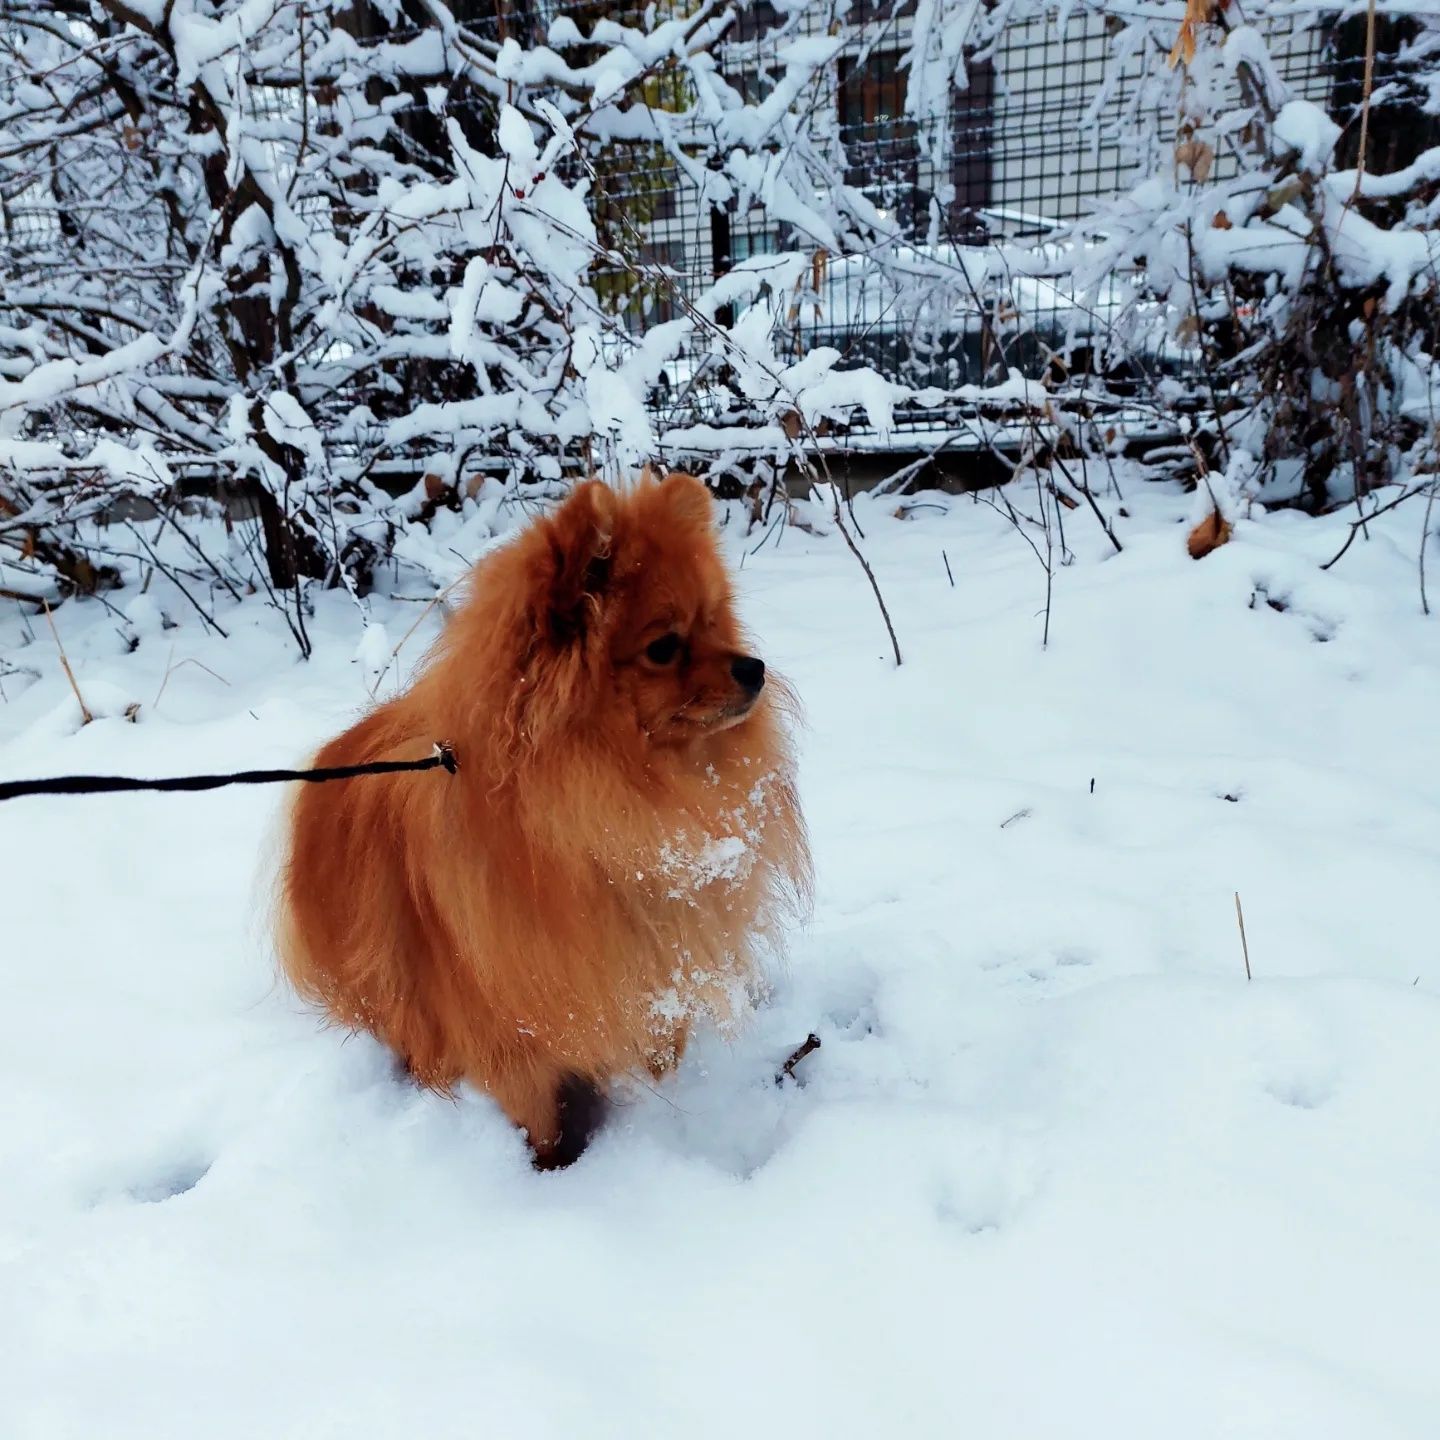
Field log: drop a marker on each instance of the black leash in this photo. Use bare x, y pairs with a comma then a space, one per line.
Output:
443, 759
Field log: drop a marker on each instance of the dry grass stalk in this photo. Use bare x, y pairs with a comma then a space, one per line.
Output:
1244, 944
85, 716
172, 665
400, 643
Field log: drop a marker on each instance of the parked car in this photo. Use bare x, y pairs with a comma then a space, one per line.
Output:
950, 315
941, 316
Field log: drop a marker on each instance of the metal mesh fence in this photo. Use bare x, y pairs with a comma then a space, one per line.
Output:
1045, 126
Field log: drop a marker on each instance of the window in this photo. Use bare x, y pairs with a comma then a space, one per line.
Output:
882, 143
972, 141
757, 19
881, 146
872, 102
757, 242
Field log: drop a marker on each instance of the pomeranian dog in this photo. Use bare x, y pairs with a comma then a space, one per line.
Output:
620, 842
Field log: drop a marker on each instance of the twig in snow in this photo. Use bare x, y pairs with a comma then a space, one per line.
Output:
874, 583
1049, 559
1244, 944
850, 540
1424, 539
777, 523
946, 559
787, 1070
185, 535
169, 573
1084, 489
1015, 517
1357, 525
262, 573
897, 479
6, 669
85, 716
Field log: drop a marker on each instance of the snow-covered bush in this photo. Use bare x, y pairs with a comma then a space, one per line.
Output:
332, 264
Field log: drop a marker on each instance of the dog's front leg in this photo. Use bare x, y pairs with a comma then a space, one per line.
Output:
558, 1110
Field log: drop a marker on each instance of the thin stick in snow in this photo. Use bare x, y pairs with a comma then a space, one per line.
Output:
1084, 488
870, 576
169, 573
85, 716
1366, 90
1244, 944
1425, 540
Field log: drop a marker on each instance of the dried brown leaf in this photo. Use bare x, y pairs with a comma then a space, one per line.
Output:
1210, 534
1197, 13
1196, 156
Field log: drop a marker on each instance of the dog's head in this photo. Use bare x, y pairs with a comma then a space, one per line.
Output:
632, 608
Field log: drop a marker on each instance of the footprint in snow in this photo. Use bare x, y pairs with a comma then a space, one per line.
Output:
1301, 1090
178, 1181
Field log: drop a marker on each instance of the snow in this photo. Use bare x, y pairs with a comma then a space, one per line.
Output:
1057, 1169
1308, 130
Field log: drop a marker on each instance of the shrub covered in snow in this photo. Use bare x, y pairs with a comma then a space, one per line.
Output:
306, 259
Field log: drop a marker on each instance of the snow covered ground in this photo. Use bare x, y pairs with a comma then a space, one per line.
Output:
1057, 1171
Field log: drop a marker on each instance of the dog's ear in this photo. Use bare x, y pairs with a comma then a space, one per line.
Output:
688, 499
582, 537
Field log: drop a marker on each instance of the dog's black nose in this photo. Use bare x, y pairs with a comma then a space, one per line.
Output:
749, 672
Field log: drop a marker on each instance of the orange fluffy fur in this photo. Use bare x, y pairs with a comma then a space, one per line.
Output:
622, 834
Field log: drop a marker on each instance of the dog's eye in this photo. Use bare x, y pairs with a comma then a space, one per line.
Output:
663, 650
